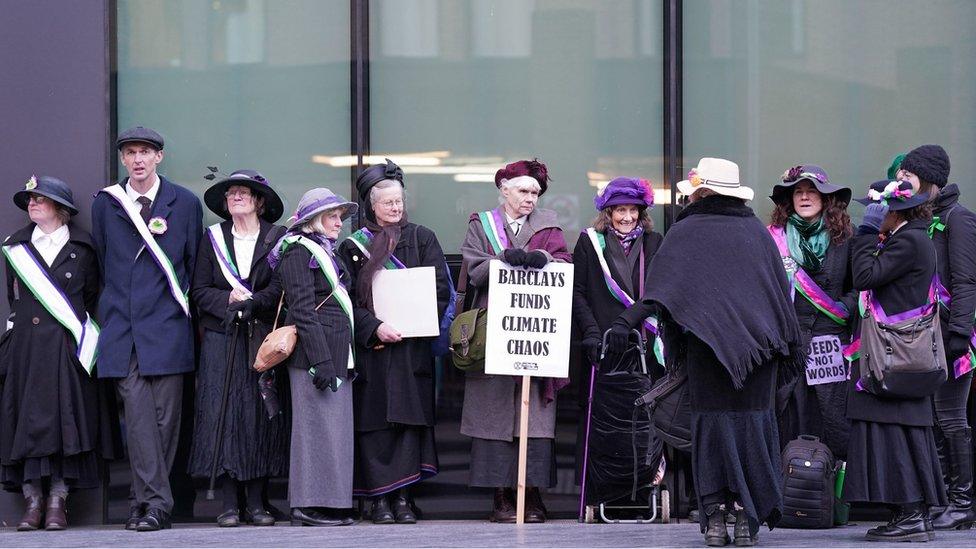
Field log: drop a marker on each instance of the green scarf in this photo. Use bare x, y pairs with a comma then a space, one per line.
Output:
807, 241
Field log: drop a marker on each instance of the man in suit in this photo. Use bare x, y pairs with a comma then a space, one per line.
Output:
146, 230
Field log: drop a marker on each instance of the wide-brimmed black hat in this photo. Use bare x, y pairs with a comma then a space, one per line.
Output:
215, 200
140, 134
46, 186
816, 175
898, 195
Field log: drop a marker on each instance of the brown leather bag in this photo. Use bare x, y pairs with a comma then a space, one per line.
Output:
279, 344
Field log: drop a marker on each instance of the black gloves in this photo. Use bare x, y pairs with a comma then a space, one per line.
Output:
591, 351
323, 380
957, 346
536, 259
617, 339
514, 257
246, 308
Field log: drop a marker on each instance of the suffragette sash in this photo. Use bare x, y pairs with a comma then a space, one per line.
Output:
494, 227
650, 323
803, 283
159, 256
363, 238
52, 298
227, 267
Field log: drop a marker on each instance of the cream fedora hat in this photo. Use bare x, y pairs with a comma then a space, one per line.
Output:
717, 174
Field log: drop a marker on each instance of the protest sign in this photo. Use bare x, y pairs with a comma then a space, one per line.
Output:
825, 363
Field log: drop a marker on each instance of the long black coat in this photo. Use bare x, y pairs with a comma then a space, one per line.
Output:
955, 251
594, 308
900, 276
395, 383
50, 405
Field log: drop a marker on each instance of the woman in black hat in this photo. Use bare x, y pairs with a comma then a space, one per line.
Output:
393, 396
812, 230
234, 295
891, 457
54, 421
953, 231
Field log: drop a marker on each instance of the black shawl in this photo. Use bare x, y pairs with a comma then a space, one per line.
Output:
719, 275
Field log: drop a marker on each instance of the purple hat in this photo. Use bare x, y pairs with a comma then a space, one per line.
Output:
625, 190
815, 175
319, 200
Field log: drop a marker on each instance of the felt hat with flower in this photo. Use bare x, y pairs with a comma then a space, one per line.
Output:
815, 175
622, 191
898, 195
717, 174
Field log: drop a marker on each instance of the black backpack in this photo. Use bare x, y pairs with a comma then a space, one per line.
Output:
669, 408
808, 484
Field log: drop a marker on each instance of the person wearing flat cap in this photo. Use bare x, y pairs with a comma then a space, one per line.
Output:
610, 264
723, 300
233, 294
892, 457
812, 229
393, 395
520, 234
316, 288
146, 230
55, 425
953, 231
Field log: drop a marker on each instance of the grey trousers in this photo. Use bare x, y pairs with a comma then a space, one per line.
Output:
152, 407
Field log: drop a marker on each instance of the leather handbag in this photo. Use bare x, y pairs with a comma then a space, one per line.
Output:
466, 337
278, 345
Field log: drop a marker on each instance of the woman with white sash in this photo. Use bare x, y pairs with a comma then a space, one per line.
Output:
52, 427
320, 369
610, 263
233, 294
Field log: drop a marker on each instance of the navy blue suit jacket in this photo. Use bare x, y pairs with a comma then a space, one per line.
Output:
136, 308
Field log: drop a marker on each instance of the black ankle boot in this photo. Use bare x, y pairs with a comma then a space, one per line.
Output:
741, 533
402, 509
381, 512
716, 533
907, 525
959, 514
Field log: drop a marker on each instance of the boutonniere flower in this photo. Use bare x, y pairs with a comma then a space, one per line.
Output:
157, 225
694, 178
31, 184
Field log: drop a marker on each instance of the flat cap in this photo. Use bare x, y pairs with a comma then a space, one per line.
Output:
142, 135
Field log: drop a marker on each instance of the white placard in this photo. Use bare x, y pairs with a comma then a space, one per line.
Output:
406, 299
825, 363
529, 317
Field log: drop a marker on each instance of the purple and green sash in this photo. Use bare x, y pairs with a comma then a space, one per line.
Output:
52, 298
804, 284
494, 226
650, 323
227, 267
363, 238
967, 362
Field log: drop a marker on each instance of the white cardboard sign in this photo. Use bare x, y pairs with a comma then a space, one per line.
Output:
407, 300
825, 363
529, 317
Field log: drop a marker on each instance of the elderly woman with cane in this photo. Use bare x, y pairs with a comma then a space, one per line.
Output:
233, 436
724, 300
611, 262
321, 366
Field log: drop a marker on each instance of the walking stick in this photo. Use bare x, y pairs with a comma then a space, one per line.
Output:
219, 435
586, 437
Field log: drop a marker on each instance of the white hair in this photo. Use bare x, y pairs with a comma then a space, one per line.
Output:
316, 224
382, 185
522, 182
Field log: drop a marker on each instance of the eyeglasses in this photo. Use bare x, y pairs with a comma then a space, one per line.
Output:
39, 199
243, 193
391, 203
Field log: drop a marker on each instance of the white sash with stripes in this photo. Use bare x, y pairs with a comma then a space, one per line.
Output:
49, 294
227, 267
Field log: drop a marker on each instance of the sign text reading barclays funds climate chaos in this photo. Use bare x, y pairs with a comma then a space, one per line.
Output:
529, 313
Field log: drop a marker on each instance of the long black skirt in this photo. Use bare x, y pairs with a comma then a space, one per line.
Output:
893, 464
392, 458
494, 463
735, 443
253, 446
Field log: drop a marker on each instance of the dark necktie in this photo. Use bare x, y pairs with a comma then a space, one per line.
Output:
146, 206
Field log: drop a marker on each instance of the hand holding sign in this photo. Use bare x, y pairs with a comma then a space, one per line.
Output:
387, 333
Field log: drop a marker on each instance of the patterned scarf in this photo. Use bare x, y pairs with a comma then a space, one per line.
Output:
807, 242
627, 240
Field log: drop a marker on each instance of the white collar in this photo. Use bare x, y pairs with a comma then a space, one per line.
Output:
150, 194
253, 237
521, 220
57, 237
900, 225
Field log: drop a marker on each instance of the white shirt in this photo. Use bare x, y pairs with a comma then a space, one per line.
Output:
244, 250
150, 194
49, 245
515, 224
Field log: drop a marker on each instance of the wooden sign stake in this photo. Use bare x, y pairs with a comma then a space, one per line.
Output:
523, 449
